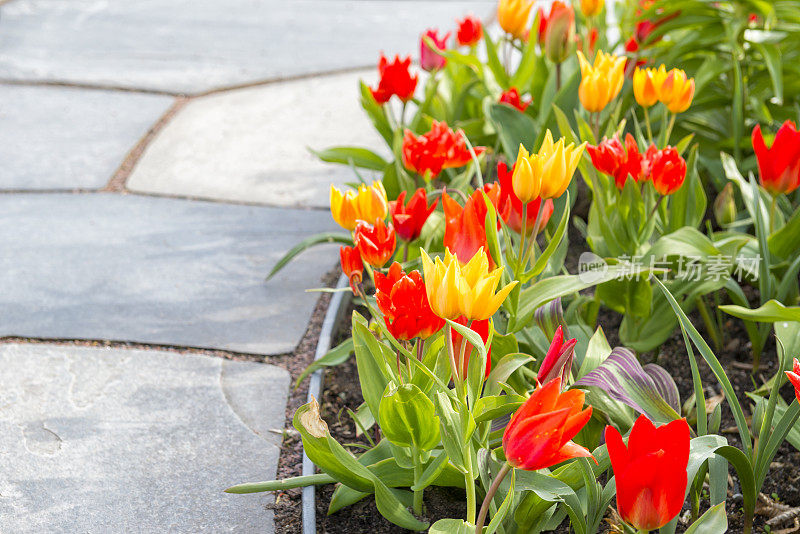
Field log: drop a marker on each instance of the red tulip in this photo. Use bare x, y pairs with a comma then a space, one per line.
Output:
482, 329
651, 472
667, 169
465, 228
409, 219
558, 361
612, 158
540, 431
510, 206
375, 243
395, 80
404, 303
440, 148
469, 31
779, 165
512, 98
794, 378
352, 266
428, 58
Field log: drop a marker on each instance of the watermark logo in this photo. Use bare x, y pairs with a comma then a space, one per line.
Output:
591, 268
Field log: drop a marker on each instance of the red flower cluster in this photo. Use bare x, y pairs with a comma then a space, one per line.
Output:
408, 219
665, 167
612, 158
509, 206
428, 58
440, 148
470, 31
650, 471
465, 228
404, 303
352, 266
512, 98
375, 243
395, 80
779, 165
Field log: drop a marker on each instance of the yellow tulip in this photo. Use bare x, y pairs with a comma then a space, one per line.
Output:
513, 16
590, 8
644, 88
600, 83
368, 204
676, 91
547, 173
470, 290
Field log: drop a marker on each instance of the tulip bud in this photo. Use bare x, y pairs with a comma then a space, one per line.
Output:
560, 32
429, 59
558, 361
352, 266
725, 206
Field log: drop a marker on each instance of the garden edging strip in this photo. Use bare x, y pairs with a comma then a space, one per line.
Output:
338, 303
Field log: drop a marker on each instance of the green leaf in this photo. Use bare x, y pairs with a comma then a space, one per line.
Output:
548, 289
497, 519
513, 128
376, 114
544, 257
279, 485
785, 243
493, 61
714, 521
318, 239
771, 312
336, 356
407, 417
451, 526
716, 368
352, 155
494, 406
371, 361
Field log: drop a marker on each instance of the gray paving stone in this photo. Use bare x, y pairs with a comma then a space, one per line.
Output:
193, 46
115, 440
68, 138
252, 144
157, 270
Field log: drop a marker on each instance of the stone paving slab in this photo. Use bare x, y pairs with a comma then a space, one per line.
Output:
196, 45
117, 440
252, 144
68, 138
157, 270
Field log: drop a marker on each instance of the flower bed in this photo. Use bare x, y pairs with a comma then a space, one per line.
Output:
526, 368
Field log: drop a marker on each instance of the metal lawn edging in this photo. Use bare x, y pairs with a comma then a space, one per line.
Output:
337, 305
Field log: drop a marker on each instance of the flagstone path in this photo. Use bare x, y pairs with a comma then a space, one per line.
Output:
155, 167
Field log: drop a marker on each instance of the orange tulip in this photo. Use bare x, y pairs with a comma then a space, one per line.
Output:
539, 433
366, 204
352, 266
465, 228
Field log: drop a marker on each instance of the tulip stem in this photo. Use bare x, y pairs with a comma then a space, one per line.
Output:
596, 126
772, 214
558, 76
451, 353
418, 493
668, 132
490, 495
649, 128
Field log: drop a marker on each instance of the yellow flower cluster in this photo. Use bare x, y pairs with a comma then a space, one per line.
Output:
547, 173
368, 204
469, 290
673, 89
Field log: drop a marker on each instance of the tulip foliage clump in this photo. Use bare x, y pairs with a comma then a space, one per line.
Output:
477, 337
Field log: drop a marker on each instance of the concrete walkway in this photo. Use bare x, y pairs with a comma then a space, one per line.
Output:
155, 167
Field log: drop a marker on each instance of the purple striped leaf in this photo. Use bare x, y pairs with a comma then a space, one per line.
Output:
649, 390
